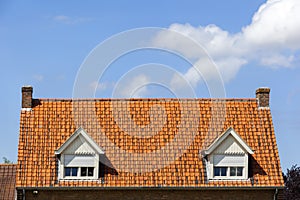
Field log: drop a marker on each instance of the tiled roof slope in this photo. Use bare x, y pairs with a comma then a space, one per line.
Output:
51, 122
7, 181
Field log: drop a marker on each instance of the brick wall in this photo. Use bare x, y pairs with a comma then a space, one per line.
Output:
263, 96
151, 194
27, 97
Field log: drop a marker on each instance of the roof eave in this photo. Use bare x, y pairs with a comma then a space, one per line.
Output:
158, 188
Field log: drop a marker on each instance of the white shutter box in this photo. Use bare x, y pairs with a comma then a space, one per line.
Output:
79, 161
229, 160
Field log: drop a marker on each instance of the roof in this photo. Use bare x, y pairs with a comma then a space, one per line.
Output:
222, 137
7, 181
150, 142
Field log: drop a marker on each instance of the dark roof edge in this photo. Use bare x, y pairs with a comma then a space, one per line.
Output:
146, 99
156, 188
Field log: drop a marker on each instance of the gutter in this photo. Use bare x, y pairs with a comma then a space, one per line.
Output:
275, 194
23, 194
154, 188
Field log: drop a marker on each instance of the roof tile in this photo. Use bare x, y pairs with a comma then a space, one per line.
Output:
7, 181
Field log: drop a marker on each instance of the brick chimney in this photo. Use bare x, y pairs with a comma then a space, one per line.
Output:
263, 97
27, 96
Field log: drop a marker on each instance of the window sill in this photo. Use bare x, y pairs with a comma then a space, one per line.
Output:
79, 179
229, 179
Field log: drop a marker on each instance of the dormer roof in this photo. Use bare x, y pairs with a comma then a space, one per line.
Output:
230, 147
79, 143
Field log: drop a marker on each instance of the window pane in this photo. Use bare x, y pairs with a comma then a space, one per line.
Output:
74, 171
216, 171
239, 171
220, 171
91, 171
223, 171
232, 171
71, 171
67, 171
83, 171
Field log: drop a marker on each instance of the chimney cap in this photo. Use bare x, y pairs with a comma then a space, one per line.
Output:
263, 90
26, 87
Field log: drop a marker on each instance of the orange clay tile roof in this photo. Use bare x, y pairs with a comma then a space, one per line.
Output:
7, 181
51, 122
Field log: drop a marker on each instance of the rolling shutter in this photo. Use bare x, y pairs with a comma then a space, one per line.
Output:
229, 160
79, 161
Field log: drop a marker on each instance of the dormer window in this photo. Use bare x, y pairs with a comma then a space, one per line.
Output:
236, 171
220, 171
81, 166
79, 171
79, 157
87, 171
227, 157
71, 171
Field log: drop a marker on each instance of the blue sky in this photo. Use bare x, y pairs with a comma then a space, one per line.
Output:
253, 43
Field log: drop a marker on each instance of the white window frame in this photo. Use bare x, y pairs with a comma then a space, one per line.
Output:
211, 164
71, 171
61, 172
78, 175
228, 176
236, 171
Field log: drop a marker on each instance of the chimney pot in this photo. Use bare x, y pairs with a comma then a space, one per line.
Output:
27, 96
263, 97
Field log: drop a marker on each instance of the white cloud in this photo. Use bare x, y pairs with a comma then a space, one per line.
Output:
228, 67
132, 87
273, 32
70, 20
100, 86
61, 18
275, 25
60, 77
277, 60
38, 77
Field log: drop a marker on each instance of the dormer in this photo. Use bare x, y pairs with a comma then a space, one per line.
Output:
78, 157
227, 157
